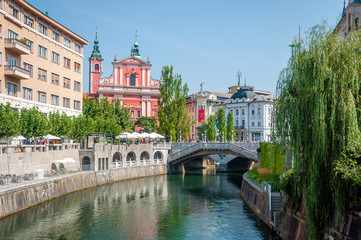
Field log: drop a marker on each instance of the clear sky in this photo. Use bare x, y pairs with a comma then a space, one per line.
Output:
206, 40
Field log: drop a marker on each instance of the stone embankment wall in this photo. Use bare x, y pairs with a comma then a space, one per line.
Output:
254, 197
20, 198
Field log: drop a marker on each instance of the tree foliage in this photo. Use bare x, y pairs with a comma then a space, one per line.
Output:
221, 120
230, 127
33, 123
148, 124
318, 113
211, 131
82, 126
9, 121
172, 114
202, 130
60, 124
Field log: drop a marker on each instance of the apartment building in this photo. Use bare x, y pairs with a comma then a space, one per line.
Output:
41, 61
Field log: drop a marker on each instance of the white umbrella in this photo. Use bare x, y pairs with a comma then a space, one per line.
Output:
156, 135
51, 137
146, 135
59, 161
19, 138
134, 135
68, 160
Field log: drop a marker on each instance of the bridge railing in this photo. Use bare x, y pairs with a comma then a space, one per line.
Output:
162, 145
213, 146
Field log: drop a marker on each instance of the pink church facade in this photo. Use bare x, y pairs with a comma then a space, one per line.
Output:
131, 82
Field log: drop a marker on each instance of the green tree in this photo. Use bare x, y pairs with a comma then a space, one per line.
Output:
33, 123
82, 126
230, 127
9, 122
172, 114
202, 130
60, 124
148, 124
317, 114
221, 119
211, 133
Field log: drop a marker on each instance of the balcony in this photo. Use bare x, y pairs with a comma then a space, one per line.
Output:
239, 127
16, 72
17, 46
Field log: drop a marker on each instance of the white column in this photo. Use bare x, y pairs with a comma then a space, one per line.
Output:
143, 108
143, 76
115, 75
121, 76
148, 108
148, 77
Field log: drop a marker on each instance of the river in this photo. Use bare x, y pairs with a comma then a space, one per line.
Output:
191, 206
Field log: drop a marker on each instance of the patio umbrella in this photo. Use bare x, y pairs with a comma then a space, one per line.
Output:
156, 135
19, 138
68, 160
134, 135
59, 161
123, 136
51, 137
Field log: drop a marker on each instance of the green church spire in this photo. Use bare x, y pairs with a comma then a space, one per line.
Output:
96, 53
135, 49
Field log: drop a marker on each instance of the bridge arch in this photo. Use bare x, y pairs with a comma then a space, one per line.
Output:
85, 163
131, 159
144, 158
158, 157
117, 159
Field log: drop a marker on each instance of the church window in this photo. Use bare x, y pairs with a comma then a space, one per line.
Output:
96, 66
132, 80
138, 114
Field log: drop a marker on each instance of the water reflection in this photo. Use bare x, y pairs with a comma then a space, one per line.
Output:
195, 205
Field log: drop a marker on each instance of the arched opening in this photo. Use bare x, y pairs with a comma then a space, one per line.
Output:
53, 166
96, 67
132, 80
158, 157
131, 158
85, 163
62, 168
117, 160
144, 158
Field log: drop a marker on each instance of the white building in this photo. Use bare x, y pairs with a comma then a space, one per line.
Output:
350, 19
252, 113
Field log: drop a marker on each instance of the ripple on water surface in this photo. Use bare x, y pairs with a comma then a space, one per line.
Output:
164, 207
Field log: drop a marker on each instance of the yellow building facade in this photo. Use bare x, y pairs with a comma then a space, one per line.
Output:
41, 61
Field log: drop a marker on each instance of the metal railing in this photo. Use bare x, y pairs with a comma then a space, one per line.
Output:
237, 148
17, 41
17, 68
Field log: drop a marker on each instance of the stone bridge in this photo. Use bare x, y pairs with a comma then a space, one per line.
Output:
181, 156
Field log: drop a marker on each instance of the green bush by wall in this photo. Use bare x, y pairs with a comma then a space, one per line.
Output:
273, 157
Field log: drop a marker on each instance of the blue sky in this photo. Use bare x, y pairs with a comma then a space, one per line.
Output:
206, 40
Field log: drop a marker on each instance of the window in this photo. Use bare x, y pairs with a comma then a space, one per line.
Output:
28, 67
54, 100
76, 105
55, 57
30, 44
1, 58
242, 111
43, 29
77, 48
66, 82
66, 102
41, 97
252, 124
42, 74
270, 110
27, 93
1, 30
12, 61
14, 11
77, 86
77, 67
43, 52
259, 124
66, 62
12, 89
138, 114
55, 36
259, 110
132, 80
28, 20
96, 67
237, 112
54, 78
12, 34
67, 42
243, 122
252, 111
237, 122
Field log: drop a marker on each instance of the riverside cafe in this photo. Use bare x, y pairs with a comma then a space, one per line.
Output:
109, 138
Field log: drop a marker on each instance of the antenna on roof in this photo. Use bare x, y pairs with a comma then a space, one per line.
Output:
239, 76
245, 81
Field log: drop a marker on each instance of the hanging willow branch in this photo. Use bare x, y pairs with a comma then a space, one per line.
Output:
317, 113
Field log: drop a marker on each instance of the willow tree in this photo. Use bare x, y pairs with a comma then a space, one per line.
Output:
172, 113
317, 113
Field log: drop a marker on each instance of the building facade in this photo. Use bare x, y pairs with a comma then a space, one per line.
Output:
131, 82
41, 61
252, 113
350, 19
